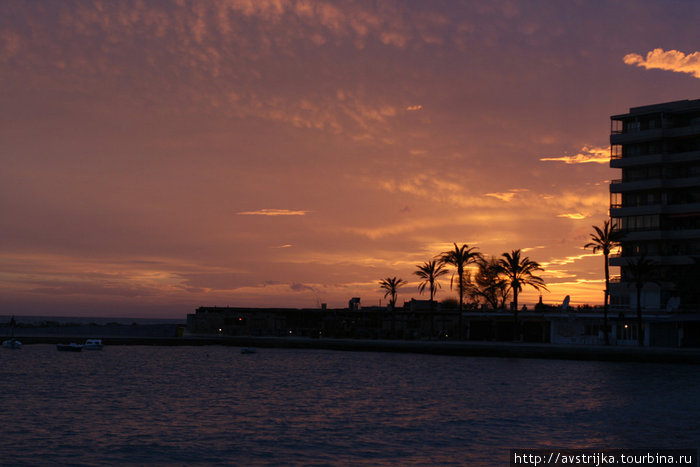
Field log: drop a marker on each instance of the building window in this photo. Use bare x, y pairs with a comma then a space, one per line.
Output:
616, 127
616, 151
615, 200
626, 332
650, 222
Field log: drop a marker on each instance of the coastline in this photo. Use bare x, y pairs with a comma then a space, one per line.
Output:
452, 348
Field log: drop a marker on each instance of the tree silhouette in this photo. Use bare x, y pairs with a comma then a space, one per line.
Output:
459, 258
489, 284
605, 240
641, 271
391, 285
519, 272
430, 271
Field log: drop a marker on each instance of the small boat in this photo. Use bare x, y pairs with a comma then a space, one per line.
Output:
12, 343
93, 344
72, 347
245, 350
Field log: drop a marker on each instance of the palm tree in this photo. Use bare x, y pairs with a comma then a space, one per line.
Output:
391, 285
605, 240
640, 271
430, 271
519, 272
460, 258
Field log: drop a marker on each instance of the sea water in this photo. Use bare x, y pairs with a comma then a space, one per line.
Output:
149, 405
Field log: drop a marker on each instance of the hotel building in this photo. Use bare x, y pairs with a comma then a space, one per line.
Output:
656, 203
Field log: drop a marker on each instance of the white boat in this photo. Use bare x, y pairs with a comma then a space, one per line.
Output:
93, 344
12, 343
72, 347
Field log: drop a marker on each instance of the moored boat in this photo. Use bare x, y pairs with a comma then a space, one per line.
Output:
93, 344
72, 347
248, 350
12, 343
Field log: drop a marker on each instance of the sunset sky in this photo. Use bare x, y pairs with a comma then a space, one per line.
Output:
158, 156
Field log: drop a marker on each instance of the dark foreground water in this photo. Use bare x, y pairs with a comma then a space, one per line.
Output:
214, 406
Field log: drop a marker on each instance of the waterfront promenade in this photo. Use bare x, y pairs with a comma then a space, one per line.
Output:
455, 348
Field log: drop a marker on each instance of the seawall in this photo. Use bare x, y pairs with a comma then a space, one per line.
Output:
470, 349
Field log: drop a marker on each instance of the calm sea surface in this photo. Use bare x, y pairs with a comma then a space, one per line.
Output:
214, 406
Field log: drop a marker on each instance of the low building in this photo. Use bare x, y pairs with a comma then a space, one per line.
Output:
545, 325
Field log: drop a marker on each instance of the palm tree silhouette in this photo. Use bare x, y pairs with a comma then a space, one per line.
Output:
460, 258
391, 285
605, 240
518, 272
641, 271
430, 271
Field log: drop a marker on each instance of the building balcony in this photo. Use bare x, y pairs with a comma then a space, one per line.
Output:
651, 134
635, 161
637, 136
685, 182
623, 211
658, 234
649, 209
621, 186
620, 162
682, 132
675, 260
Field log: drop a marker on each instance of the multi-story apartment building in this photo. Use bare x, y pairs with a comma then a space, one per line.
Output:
656, 203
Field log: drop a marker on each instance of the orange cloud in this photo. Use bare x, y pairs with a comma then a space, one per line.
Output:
414, 107
272, 212
507, 197
566, 260
600, 155
575, 215
672, 60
